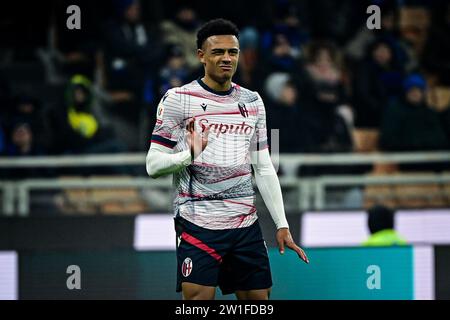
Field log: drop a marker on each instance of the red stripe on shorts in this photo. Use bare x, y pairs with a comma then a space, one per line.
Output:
199, 244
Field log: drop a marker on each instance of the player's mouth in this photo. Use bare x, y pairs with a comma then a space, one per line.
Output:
226, 67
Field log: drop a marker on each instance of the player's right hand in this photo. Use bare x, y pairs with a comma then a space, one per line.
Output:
196, 141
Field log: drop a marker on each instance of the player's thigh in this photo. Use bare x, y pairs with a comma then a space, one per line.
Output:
198, 261
193, 291
247, 266
258, 294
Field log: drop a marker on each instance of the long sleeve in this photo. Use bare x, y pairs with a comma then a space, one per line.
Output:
161, 158
269, 186
161, 161
265, 175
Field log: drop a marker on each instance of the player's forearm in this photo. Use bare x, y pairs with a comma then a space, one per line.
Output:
160, 162
269, 187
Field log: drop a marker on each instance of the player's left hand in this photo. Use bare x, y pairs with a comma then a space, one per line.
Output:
284, 238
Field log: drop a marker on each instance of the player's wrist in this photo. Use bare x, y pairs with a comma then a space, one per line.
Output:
282, 224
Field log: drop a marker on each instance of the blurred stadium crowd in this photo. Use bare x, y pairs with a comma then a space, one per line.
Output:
329, 83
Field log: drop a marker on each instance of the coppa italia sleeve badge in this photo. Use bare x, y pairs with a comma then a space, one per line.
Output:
160, 111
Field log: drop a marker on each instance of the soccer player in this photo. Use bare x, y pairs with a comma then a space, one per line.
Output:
209, 134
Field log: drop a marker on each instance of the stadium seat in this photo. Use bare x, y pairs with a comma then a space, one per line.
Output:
424, 195
365, 140
118, 200
447, 194
379, 195
101, 200
446, 190
75, 201
384, 168
420, 196
115, 208
438, 98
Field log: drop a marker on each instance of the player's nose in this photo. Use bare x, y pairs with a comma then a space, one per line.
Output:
226, 58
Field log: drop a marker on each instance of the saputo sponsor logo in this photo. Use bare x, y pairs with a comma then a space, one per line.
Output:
229, 128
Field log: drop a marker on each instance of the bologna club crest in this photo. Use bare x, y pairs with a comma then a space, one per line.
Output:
186, 267
243, 109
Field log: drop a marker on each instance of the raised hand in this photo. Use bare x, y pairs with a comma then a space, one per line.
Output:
196, 141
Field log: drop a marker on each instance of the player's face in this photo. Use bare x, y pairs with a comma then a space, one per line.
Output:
220, 56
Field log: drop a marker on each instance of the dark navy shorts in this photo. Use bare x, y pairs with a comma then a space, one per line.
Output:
233, 259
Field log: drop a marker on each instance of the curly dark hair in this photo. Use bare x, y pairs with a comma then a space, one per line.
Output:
216, 27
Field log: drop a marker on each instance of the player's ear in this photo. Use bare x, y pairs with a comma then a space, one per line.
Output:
201, 55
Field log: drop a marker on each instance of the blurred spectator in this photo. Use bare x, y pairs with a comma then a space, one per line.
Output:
282, 42
282, 111
132, 54
174, 73
247, 73
288, 25
282, 57
75, 126
414, 30
182, 32
357, 48
409, 124
382, 228
78, 47
376, 80
337, 20
30, 109
21, 142
324, 128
